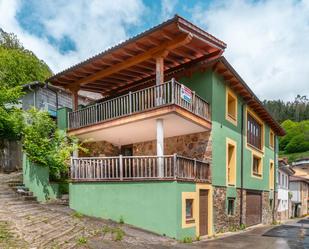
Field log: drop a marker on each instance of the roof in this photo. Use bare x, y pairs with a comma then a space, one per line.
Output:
188, 46
134, 58
56, 88
299, 179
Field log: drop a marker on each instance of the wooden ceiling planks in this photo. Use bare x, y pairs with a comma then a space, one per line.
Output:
116, 63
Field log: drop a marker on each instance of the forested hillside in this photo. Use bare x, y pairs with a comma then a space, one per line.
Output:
294, 118
296, 110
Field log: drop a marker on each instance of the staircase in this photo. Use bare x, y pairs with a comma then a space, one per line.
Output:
41, 225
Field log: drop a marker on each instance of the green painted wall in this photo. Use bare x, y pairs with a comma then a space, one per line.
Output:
154, 206
212, 88
36, 178
62, 118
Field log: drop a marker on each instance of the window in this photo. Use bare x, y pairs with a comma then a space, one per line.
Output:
230, 206
254, 132
270, 203
271, 139
279, 178
271, 176
231, 107
231, 162
257, 166
189, 210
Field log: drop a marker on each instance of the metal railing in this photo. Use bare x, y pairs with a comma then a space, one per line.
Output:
122, 168
149, 98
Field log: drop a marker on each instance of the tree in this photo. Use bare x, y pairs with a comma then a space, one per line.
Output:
296, 110
18, 66
46, 145
296, 138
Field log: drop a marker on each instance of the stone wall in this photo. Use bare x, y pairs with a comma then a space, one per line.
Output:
267, 209
196, 145
99, 148
222, 221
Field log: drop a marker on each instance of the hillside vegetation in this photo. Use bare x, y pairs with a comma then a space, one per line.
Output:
294, 118
18, 66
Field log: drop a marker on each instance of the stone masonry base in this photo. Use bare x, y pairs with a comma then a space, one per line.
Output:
224, 222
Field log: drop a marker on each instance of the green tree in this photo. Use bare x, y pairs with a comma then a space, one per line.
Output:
46, 145
296, 138
18, 66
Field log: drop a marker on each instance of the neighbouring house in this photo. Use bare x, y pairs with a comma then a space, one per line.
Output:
284, 206
44, 97
54, 100
49, 98
299, 186
179, 145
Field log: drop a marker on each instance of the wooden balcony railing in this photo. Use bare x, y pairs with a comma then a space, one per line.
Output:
133, 168
149, 98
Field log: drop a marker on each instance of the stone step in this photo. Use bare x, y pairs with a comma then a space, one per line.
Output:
15, 184
29, 198
19, 202
48, 218
67, 239
51, 232
16, 188
54, 237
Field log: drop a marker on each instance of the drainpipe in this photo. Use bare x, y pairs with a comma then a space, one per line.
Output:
275, 179
242, 163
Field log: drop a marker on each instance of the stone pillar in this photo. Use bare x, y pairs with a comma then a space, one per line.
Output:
160, 146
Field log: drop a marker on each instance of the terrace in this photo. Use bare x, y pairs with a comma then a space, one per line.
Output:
142, 102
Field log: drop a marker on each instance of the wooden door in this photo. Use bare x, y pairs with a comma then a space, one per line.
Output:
203, 212
253, 208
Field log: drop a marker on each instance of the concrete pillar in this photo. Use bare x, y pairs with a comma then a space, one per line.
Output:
160, 146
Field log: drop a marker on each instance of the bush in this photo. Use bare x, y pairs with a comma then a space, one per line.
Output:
46, 145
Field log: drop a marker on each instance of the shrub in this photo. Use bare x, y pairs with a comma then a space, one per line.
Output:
187, 240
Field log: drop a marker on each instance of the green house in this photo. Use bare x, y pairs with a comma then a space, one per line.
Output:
178, 145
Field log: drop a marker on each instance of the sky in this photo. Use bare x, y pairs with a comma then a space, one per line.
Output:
267, 41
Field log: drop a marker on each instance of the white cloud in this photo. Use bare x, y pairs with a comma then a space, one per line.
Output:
168, 9
92, 25
267, 43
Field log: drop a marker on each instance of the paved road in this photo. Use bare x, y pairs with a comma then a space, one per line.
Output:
293, 235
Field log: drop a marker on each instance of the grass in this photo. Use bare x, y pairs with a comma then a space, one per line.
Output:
187, 240
77, 215
7, 239
82, 241
116, 232
294, 156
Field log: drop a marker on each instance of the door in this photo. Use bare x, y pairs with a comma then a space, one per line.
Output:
203, 212
253, 208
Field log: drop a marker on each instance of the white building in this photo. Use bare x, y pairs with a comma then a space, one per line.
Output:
284, 197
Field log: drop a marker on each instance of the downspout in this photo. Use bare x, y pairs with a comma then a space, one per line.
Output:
275, 179
242, 163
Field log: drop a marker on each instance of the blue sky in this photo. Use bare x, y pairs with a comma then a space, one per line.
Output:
267, 39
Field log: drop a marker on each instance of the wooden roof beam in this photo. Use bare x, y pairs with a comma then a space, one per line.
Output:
180, 40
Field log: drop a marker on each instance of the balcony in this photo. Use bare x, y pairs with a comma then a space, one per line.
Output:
139, 168
170, 93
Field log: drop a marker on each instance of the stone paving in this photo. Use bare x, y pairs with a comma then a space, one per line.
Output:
56, 226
